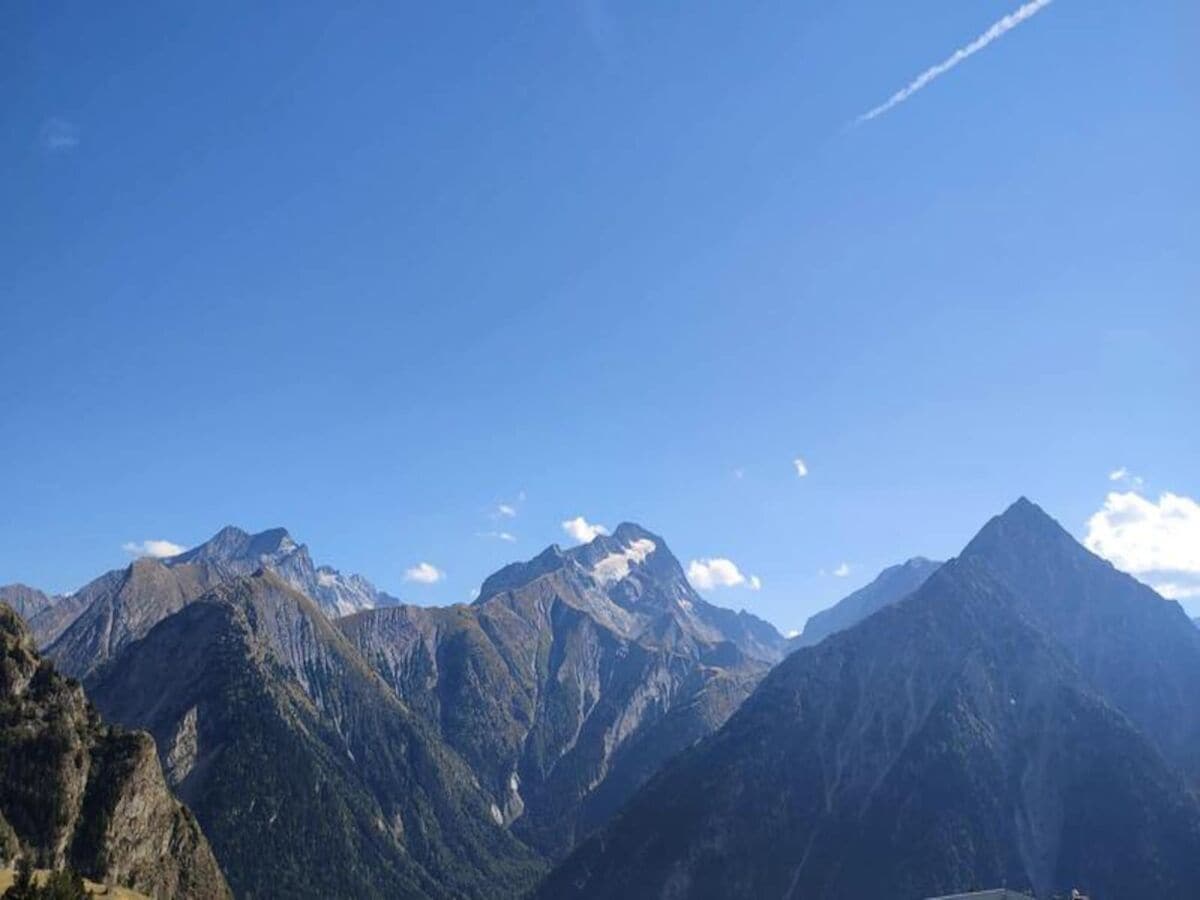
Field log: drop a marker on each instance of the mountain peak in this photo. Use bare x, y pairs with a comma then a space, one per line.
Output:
1023, 525
631, 531
235, 544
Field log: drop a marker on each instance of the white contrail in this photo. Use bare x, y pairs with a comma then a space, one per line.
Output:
999, 29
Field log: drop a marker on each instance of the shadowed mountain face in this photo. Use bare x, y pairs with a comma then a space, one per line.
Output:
572, 678
123, 605
76, 792
891, 586
977, 732
308, 774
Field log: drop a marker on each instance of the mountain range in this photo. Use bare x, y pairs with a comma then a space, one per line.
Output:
1025, 717
590, 726
405, 750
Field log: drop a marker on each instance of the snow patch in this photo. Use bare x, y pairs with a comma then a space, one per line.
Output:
616, 566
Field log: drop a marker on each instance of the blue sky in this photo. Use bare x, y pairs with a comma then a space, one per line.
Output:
371, 272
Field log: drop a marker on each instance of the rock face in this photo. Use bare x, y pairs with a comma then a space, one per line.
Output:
235, 552
1021, 718
572, 678
76, 792
891, 586
308, 774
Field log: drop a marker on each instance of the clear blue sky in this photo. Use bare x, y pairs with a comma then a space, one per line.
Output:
369, 272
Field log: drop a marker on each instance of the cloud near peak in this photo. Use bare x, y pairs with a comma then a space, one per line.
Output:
156, 549
424, 573
1158, 541
582, 531
718, 572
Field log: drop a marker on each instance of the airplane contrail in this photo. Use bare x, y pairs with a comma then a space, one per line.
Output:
998, 30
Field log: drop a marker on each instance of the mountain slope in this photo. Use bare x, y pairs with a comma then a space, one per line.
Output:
123, 605
309, 776
572, 678
946, 742
892, 585
76, 792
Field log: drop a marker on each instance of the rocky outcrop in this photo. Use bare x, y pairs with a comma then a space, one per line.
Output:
76, 792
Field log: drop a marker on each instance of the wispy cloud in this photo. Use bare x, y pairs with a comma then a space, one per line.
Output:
842, 570
424, 573
583, 531
995, 32
507, 536
58, 135
158, 549
801, 467
1124, 476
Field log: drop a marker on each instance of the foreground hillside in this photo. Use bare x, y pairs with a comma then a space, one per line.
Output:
77, 793
1025, 717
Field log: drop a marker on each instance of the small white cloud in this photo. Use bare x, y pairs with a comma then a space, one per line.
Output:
156, 549
424, 573
499, 535
801, 467
794, 633
58, 135
474, 593
1124, 476
582, 531
718, 572
1158, 542
506, 511
842, 570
